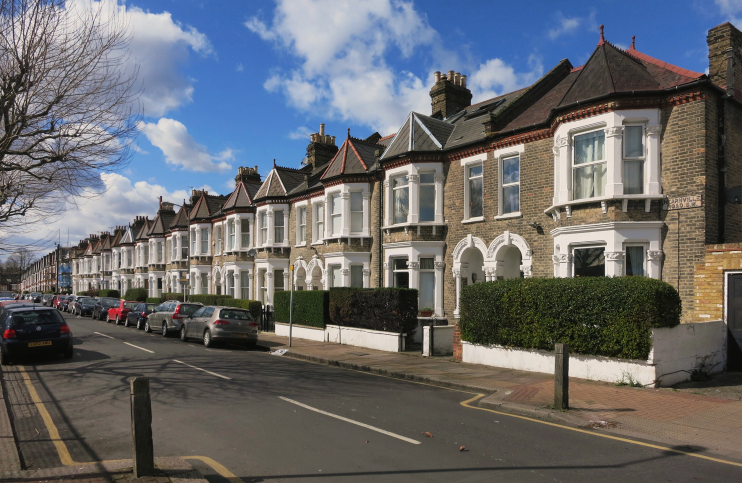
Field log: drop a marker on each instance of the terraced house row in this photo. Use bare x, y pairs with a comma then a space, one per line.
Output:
624, 166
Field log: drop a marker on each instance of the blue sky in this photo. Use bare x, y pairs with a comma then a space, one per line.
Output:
239, 83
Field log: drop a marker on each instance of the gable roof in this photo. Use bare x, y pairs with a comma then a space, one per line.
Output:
240, 198
181, 218
419, 133
280, 182
355, 156
161, 223
144, 231
128, 236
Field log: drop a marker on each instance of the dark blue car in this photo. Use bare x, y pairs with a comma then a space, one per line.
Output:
84, 306
29, 331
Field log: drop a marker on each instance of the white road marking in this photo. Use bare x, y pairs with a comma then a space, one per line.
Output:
104, 335
373, 428
141, 348
204, 370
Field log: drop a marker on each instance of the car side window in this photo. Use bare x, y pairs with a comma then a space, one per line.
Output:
208, 312
199, 312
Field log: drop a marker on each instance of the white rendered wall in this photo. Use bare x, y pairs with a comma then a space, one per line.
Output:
442, 340
300, 332
678, 351
370, 339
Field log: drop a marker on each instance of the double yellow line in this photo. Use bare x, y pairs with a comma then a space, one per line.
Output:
64, 454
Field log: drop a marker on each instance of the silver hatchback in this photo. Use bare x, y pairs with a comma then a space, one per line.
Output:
214, 324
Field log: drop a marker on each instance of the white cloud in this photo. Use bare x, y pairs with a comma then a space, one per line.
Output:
342, 48
180, 149
159, 46
731, 10
239, 67
570, 25
301, 132
495, 77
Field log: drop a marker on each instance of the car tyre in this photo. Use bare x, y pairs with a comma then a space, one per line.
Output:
208, 341
68, 353
118, 321
183, 334
126, 322
139, 323
165, 332
147, 328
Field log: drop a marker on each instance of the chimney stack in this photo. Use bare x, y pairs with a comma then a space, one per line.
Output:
725, 57
321, 148
449, 94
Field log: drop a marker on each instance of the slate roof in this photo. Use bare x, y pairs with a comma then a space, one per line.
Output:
161, 223
181, 218
143, 232
419, 133
240, 198
280, 182
128, 236
355, 156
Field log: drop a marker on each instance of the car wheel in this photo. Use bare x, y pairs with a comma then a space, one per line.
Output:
126, 322
207, 339
147, 328
139, 323
118, 322
164, 330
183, 334
67, 354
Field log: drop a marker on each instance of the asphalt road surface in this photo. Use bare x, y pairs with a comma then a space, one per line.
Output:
269, 418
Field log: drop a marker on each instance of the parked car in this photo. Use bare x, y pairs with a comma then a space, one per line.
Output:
10, 304
69, 304
46, 299
138, 316
33, 330
168, 316
100, 309
84, 306
120, 312
36, 297
59, 301
213, 324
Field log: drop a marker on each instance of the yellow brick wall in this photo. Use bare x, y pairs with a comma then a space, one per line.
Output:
708, 283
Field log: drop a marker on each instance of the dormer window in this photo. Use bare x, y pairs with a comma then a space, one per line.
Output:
590, 166
633, 164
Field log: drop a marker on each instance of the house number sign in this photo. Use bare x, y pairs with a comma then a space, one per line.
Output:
685, 202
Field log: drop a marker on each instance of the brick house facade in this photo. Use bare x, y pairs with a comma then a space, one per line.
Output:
626, 165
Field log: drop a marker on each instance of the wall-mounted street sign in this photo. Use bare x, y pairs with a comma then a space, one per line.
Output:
685, 202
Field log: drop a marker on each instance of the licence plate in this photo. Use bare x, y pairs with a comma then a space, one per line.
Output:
240, 335
40, 343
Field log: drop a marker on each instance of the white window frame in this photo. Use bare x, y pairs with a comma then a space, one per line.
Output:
604, 246
500, 156
218, 237
204, 240
298, 207
318, 232
575, 167
641, 158
400, 188
282, 227
466, 164
330, 278
645, 247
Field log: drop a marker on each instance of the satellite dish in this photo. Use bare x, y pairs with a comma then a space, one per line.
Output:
305, 161
251, 253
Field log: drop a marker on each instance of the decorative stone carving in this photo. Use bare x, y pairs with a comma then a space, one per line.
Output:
345, 196
345, 271
615, 256
413, 178
527, 270
654, 130
366, 272
654, 255
440, 265
386, 183
613, 131
387, 265
456, 272
269, 274
413, 265
555, 258
440, 177
366, 195
565, 257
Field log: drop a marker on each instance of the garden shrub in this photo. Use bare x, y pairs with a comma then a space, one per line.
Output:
254, 306
110, 293
136, 294
387, 309
311, 307
599, 316
153, 300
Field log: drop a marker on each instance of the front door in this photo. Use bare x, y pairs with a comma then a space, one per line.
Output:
734, 322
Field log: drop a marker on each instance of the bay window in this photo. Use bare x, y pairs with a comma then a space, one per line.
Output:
245, 284
510, 190
263, 221
356, 276
204, 283
174, 242
635, 261
278, 280
589, 262
400, 199
193, 241
475, 204
301, 225
356, 211
245, 233
335, 272
336, 213
400, 273
427, 197
590, 166
159, 252
230, 235
184, 247
218, 235
278, 219
633, 154
426, 286
262, 286
319, 222
204, 240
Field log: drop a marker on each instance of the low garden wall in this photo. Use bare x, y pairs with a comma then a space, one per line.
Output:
438, 340
301, 332
367, 338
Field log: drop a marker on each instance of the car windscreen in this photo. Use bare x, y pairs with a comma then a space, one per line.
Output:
188, 309
35, 317
150, 307
130, 305
109, 303
85, 301
235, 314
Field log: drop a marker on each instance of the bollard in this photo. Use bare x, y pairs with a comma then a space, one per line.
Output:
141, 428
561, 376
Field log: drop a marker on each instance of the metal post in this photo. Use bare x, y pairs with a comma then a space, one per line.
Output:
291, 302
561, 376
141, 427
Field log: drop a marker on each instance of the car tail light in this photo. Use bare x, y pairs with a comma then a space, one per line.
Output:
144, 314
253, 324
65, 329
9, 334
221, 322
177, 316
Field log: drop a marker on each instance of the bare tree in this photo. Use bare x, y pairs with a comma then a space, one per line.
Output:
68, 108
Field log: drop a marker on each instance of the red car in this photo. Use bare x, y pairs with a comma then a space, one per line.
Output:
119, 313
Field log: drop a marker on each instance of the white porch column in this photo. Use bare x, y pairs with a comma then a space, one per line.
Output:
457, 277
270, 287
271, 226
367, 213
564, 144
414, 271
345, 217
210, 288
251, 222
366, 278
652, 161
440, 266
387, 274
326, 214
388, 203
654, 264
440, 178
614, 263
287, 280
346, 275
614, 144
237, 285
414, 199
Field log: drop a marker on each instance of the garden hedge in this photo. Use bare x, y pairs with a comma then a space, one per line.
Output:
153, 300
136, 295
110, 293
172, 296
387, 309
599, 316
208, 299
254, 306
311, 307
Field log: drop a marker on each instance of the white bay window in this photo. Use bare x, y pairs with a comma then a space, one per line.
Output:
414, 195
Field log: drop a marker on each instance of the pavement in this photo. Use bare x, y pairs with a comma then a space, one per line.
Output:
692, 415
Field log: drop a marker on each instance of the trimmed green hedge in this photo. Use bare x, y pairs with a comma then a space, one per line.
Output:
110, 293
311, 307
387, 309
208, 299
172, 296
599, 316
254, 306
153, 300
136, 295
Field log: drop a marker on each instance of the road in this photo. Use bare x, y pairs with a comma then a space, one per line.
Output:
278, 419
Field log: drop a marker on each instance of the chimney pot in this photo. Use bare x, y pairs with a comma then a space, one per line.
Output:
322, 129
437, 76
457, 78
450, 75
463, 81
332, 140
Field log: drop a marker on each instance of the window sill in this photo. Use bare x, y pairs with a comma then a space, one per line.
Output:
473, 220
299, 245
421, 223
516, 214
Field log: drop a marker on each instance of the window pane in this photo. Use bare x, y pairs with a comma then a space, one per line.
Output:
427, 202
511, 199
335, 206
427, 290
356, 222
302, 233
589, 147
399, 181
427, 178
511, 170
635, 261
278, 217
427, 263
475, 171
590, 181
400, 264
401, 279
335, 276
401, 204
278, 279
589, 262
634, 141
633, 177
335, 224
475, 197
356, 201
356, 276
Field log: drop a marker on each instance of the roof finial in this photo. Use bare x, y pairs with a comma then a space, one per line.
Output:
160, 202
633, 42
348, 133
274, 163
602, 38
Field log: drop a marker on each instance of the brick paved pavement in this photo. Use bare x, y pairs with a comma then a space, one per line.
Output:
668, 416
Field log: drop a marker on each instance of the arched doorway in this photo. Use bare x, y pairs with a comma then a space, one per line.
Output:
315, 275
508, 256
468, 265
